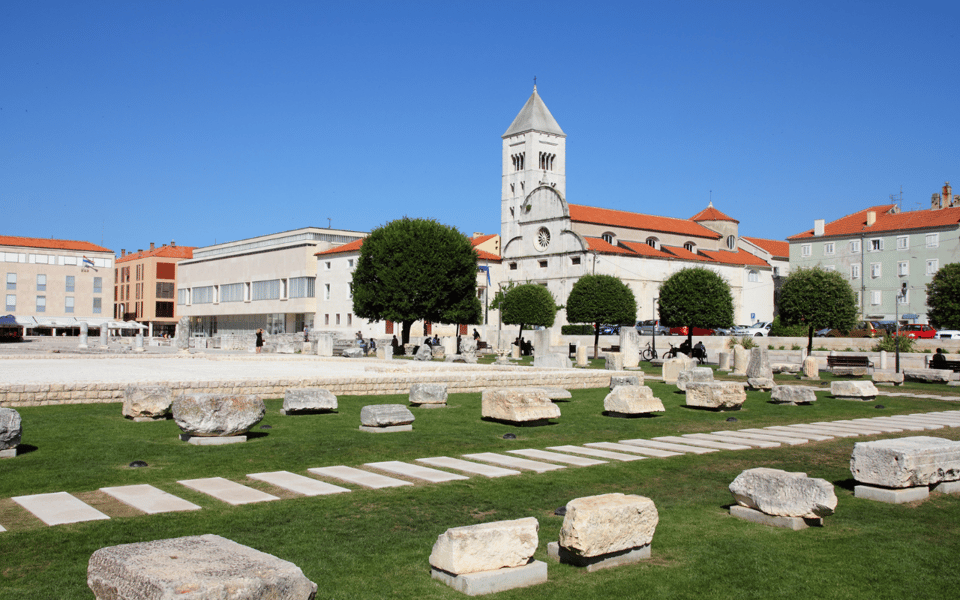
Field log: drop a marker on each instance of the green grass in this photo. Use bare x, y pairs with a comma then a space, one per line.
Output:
376, 543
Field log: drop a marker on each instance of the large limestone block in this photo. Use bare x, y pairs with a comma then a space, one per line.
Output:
887, 377
860, 390
428, 393
11, 428
353, 353
486, 547
518, 405
632, 400
181, 334
760, 383
194, 568
726, 360
928, 375
906, 462
698, 374
793, 394
759, 365
582, 360
740, 359
613, 361
783, 494
552, 360
147, 401
811, 368
325, 343
424, 352
217, 415
598, 525
672, 367
308, 400
630, 346
468, 350
716, 394
616, 380
385, 415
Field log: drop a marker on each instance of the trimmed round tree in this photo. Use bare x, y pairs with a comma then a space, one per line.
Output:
416, 269
528, 304
696, 297
816, 298
943, 297
601, 299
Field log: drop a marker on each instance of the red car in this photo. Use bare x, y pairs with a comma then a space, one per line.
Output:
697, 332
918, 331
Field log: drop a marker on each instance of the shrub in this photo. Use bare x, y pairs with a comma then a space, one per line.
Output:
889, 343
795, 347
778, 329
577, 330
745, 341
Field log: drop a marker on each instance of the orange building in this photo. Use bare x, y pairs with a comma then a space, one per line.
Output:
146, 287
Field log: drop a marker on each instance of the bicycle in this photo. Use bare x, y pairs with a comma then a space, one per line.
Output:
648, 353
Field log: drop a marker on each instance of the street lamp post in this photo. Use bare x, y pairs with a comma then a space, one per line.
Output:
896, 312
654, 344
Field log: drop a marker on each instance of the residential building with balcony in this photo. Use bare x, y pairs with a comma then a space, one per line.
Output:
146, 287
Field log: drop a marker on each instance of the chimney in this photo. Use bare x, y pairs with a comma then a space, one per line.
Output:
173, 243
871, 217
935, 203
122, 253
151, 245
818, 227
477, 234
139, 250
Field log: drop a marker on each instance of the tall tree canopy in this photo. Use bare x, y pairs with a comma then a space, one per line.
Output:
943, 297
600, 299
416, 269
528, 304
816, 298
696, 297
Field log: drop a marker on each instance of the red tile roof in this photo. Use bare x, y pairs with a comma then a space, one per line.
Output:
631, 220
644, 249
180, 252
603, 246
476, 241
681, 252
10, 240
712, 214
776, 248
353, 246
740, 257
887, 221
484, 255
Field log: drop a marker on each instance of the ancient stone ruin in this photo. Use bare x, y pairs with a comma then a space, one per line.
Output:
147, 402
428, 395
782, 499
631, 400
309, 400
213, 419
11, 431
386, 418
903, 469
518, 405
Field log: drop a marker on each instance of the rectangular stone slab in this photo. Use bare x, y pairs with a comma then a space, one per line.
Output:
906, 462
228, 491
467, 466
513, 461
806, 437
876, 426
816, 429
631, 449
598, 453
914, 425
299, 484
755, 516
732, 440
901, 496
767, 437
498, 580
58, 508
415, 471
865, 430
577, 461
946, 420
668, 446
149, 499
596, 563
358, 477
902, 424
702, 442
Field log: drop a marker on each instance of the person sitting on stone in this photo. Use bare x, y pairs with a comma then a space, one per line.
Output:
938, 359
372, 347
436, 340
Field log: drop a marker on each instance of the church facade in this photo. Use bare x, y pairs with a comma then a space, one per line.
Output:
548, 241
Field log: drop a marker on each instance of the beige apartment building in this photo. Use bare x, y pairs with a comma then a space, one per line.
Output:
146, 286
53, 285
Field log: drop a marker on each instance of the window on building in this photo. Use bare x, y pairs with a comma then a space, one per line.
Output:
876, 297
182, 296
165, 289
933, 266
608, 237
349, 319
575, 260
776, 271
41, 283
830, 268
855, 247
71, 282
231, 292
653, 242
164, 310
753, 275
903, 297
303, 287
326, 319
326, 265
731, 242
97, 306
689, 246
326, 291
806, 250
933, 240
338, 318
98, 286
41, 304
513, 266
856, 294
875, 270
203, 295
350, 263
903, 268
854, 271
350, 290
11, 281
876, 245
166, 270
68, 305
903, 242
828, 248
11, 303
264, 290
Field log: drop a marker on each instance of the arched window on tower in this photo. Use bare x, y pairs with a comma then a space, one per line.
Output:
653, 243
689, 247
609, 238
732, 242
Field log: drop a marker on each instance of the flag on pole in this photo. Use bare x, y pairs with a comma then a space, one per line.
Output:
87, 263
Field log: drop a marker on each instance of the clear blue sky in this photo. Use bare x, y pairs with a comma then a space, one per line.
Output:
127, 122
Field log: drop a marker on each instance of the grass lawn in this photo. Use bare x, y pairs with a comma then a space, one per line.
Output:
376, 543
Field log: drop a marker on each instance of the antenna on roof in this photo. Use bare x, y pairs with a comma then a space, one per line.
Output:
328, 222
898, 199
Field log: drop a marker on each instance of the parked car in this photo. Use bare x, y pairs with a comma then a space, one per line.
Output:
761, 329
647, 327
822, 332
696, 331
948, 334
864, 329
918, 332
609, 330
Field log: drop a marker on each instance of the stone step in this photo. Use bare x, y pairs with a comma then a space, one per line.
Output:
598, 453
767, 437
577, 461
903, 424
228, 491
798, 435
415, 471
299, 484
467, 466
514, 461
859, 429
702, 442
915, 425
149, 499
58, 508
876, 426
727, 439
358, 477
840, 433
630, 448
668, 446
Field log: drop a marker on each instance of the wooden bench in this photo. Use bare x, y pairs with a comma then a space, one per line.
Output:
481, 345
610, 349
848, 361
953, 365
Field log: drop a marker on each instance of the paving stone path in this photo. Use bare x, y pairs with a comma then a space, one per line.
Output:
61, 507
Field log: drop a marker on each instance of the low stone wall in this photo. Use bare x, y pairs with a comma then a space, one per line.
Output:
13, 396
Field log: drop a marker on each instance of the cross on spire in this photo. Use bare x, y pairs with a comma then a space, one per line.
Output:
534, 83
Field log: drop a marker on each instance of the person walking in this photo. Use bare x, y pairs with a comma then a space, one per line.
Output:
259, 340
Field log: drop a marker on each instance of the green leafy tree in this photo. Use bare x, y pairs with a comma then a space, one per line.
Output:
416, 269
943, 297
815, 299
601, 299
696, 297
528, 304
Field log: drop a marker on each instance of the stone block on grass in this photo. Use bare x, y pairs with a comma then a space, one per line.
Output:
308, 400
617, 380
793, 394
628, 400
906, 462
784, 494
613, 361
888, 377
487, 546
204, 566
11, 429
716, 395
424, 352
758, 367
928, 375
147, 402
811, 368
854, 390
552, 360
428, 395
518, 405
353, 353
609, 523
763, 384
672, 368
217, 415
696, 374
378, 416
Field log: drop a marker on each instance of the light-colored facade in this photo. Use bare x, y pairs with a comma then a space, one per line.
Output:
264, 282
53, 285
888, 256
146, 287
546, 240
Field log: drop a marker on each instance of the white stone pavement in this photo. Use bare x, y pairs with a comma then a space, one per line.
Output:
61, 507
